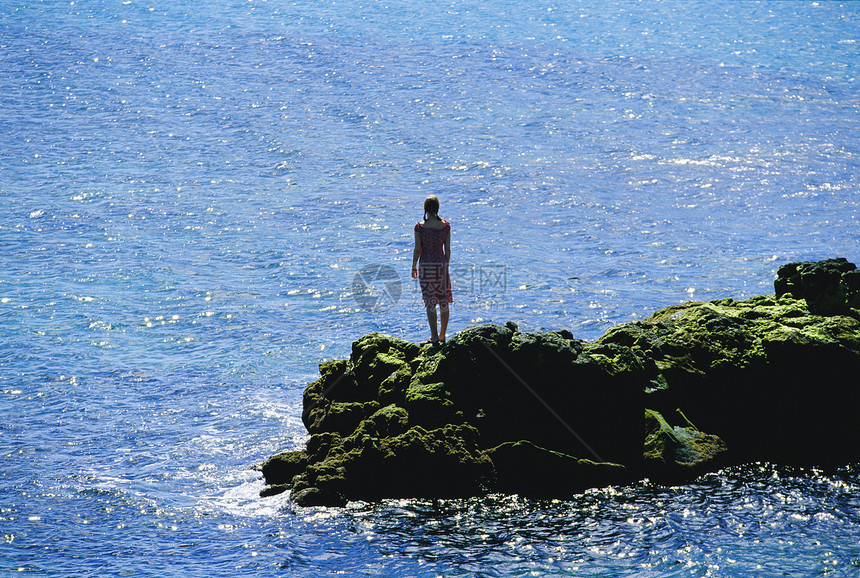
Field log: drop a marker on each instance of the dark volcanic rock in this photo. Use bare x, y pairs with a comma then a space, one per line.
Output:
762, 374
537, 387
771, 378
675, 453
441, 463
282, 468
524, 468
830, 287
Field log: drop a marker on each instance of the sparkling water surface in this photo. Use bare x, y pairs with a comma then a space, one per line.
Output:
188, 191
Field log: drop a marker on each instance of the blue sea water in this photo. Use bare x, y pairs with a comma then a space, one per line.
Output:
190, 190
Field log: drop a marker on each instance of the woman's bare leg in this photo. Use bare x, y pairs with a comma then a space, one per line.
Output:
431, 319
443, 310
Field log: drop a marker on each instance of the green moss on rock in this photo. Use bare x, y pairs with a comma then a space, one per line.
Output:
751, 369
389, 421
443, 462
674, 453
339, 417
282, 468
429, 404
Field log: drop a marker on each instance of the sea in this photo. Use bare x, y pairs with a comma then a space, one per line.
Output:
200, 201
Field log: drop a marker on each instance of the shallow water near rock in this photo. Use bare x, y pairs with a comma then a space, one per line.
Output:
190, 191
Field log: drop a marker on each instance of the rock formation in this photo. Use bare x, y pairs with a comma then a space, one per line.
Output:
771, 378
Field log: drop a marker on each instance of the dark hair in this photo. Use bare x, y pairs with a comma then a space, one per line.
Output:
431, 205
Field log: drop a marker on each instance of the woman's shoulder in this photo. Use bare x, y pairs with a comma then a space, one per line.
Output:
445, 225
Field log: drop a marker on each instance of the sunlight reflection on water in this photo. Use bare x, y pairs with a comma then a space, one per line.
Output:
189, 191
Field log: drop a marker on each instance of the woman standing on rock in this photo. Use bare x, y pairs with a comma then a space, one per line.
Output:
430, 260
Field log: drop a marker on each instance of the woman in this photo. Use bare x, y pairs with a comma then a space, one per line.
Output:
432, 254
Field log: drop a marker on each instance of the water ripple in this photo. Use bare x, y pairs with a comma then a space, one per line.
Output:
187, 191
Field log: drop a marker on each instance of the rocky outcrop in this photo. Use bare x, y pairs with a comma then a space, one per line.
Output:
545, 414
830, 287
774, 381
675, 454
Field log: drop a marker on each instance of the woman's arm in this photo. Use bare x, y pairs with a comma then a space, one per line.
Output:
448, 245
416, 252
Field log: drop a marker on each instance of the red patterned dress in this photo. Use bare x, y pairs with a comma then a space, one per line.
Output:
433, 265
